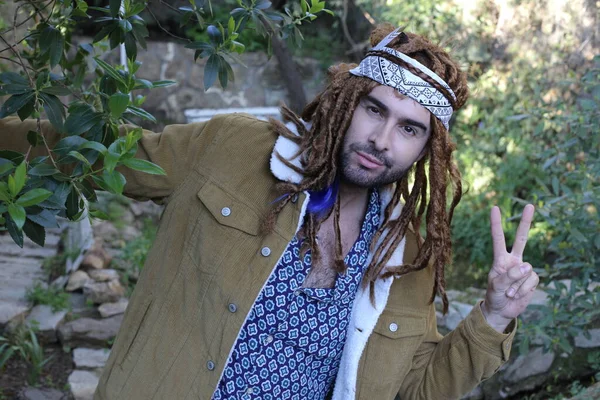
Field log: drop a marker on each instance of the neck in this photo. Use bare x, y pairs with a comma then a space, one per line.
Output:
353, 197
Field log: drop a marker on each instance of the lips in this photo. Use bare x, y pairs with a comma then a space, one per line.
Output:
368, 160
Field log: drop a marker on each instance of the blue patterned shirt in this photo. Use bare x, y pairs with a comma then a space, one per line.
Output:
291, 343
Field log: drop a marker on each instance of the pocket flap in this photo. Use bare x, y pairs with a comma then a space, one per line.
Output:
227, 210
395, 326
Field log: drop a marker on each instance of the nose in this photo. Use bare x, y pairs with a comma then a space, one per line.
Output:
381, 136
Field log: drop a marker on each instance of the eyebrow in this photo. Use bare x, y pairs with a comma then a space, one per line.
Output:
384, 108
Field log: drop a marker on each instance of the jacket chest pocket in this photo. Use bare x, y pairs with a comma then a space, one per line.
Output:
225, 226
390, 350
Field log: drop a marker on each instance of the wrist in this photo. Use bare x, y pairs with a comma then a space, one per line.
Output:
498, 322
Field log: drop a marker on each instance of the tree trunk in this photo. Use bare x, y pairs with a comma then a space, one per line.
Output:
288, 70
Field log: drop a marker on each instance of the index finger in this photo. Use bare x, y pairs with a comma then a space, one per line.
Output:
523, 231
498, 242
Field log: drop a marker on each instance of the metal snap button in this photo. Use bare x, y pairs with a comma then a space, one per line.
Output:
210, 365
265, 251
393, 327
232, 307
225, 211
294, 197
507, 346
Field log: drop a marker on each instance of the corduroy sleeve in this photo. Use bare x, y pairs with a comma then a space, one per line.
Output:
451, 366
175, 149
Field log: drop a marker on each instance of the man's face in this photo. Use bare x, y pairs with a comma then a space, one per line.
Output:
388, 133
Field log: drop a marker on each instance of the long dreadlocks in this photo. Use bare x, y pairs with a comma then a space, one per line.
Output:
331, 114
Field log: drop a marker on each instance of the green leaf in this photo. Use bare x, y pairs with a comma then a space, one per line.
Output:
79, 157
4, 193
72, 203
118, 103
33, 138
87, 190
144, 166
56, 90
33, 197
304, 6
110, 160
158, 84
99, 147
17, 213
115, 181
115, 6
81, 119
35, 232
44, 218
15, 102
19, 175
143, 84
55, 110
5, 166
211, 70
15, 232
13, 78
130, 46
26, 111
110, 71
138, 112
43, 170
56, 49
69, 143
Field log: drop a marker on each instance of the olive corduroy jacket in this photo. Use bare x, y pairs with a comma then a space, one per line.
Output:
209, 261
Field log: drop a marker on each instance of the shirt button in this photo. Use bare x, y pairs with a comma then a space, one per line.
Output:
265, 251
225, 211
249, 390
232, 307
268, 339
393, 327
210, 365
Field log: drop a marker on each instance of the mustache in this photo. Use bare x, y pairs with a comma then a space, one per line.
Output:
372, 151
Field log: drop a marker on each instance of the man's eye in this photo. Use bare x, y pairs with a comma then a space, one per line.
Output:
410, 130
373, 110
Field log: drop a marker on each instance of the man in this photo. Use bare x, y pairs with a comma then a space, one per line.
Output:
288, 262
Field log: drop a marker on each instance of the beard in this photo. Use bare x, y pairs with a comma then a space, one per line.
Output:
359, 176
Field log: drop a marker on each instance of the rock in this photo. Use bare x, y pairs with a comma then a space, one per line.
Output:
32, 393
105, 230
103, 275
130, 233
535, 362
79, 308
83, 384
592, 392
109, 309
77, 280
456, 313
60, 282
104, 292
475, 394
92, 261
10, 310
96, 257
87, 332
47, 321
594, 341
90, 358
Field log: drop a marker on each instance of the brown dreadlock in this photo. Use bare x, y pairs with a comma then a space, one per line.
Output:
331, 113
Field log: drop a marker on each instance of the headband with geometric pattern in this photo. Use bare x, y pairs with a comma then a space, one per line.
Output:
390, 74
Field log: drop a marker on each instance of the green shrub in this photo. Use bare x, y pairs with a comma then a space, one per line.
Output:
52, 296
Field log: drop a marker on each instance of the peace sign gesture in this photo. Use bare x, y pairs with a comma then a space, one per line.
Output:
511, 282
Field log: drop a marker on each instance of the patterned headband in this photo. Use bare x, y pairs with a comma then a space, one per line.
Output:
388, 73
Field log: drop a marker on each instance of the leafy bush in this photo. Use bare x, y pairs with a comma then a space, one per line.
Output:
33, 192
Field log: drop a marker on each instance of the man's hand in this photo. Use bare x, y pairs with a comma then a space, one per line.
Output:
511, 282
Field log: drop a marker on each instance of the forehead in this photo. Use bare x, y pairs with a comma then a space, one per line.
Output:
399, 104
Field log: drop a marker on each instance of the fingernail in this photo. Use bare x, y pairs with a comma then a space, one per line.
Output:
524, 268
511, 292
